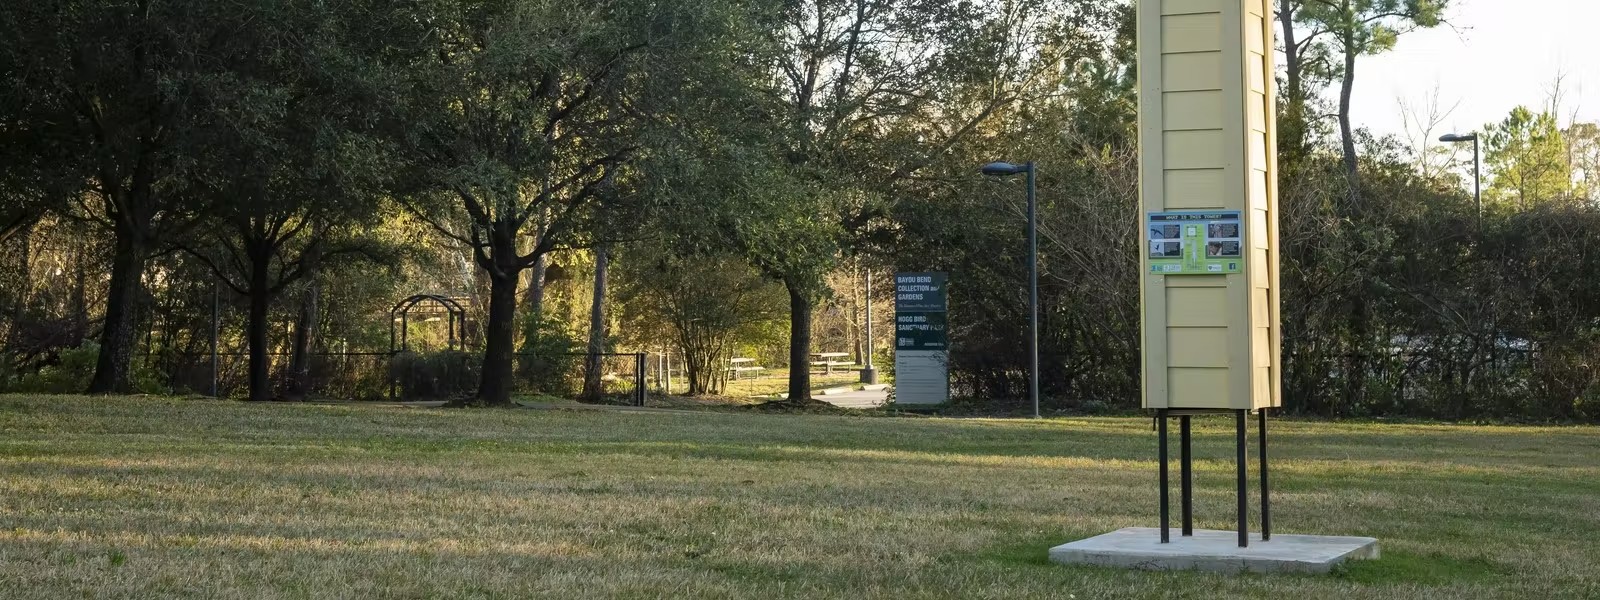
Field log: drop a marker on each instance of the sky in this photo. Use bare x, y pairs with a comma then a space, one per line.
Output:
1500, 53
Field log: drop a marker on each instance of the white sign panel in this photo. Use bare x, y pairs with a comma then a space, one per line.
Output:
921, 377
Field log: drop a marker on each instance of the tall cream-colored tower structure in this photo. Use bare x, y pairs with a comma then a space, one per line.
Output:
1209, 194
1208, 189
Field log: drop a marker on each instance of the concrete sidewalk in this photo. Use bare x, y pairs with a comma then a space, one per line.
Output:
856, 398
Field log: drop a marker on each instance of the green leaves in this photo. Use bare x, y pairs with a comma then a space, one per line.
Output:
1526, 156
1369, 26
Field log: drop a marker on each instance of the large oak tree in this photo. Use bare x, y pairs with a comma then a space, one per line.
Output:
522, 116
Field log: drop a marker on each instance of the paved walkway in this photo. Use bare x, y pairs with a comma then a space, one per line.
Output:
856, 399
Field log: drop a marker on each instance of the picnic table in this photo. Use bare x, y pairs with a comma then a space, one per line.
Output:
827, 361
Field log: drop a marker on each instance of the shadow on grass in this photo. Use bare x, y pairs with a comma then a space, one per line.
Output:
1420, 569
1031, 553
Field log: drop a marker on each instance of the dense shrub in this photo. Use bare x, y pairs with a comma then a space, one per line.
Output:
436, 375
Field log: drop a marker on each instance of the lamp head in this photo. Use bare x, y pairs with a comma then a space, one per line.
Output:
1003, 169
1457, 137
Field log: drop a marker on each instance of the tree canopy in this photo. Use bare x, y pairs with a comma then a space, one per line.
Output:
705, 181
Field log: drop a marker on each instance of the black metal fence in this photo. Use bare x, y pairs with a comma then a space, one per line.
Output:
397, 376
1433, 383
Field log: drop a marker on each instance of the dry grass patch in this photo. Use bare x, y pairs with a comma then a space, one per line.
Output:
143, 497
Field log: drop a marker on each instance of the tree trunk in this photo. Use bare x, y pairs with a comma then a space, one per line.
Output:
259, 294
1293, 136
597, 326
701, 380
78, 304
1291, 45
533, 323
693, 371
494, 389
19, 306
536, 288
256, 328
1346, 130
799, 343
122, 309
305, 334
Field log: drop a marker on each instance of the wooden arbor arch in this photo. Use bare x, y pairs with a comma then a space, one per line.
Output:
401, 314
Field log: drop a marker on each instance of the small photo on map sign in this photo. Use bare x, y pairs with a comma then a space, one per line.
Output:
1166, 249
1223, 230
1164, 232
1222, 249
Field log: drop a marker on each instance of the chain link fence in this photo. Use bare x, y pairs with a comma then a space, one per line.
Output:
401, 376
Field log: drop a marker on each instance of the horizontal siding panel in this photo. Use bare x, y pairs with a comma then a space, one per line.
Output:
1254, 35
1256, 72
1198, 281
1194, 149
1258, 150
1195, 188
1197, 388
1191, 33
1260, 307
1197, 347
1191, 72
1191, 110
1257, 189
1197, 307
1258, 230
1256, 109
1183, 7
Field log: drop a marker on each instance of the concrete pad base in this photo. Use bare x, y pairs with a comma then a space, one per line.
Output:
1216, 551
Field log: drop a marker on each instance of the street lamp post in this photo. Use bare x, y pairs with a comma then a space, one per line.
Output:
1005, 169
1477, 166
869, 375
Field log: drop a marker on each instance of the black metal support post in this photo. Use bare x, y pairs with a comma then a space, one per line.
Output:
1266, 500
638, 378
1244, 506
1185, 476
1161, 432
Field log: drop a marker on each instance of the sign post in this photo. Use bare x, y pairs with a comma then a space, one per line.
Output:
921, 341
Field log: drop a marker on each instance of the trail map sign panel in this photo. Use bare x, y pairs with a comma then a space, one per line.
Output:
921, 342
1195, 243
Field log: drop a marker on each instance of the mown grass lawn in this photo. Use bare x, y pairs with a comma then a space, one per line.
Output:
774, 381
139, 497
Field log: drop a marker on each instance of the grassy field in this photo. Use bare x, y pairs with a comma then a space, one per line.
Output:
772, 381
130, 497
